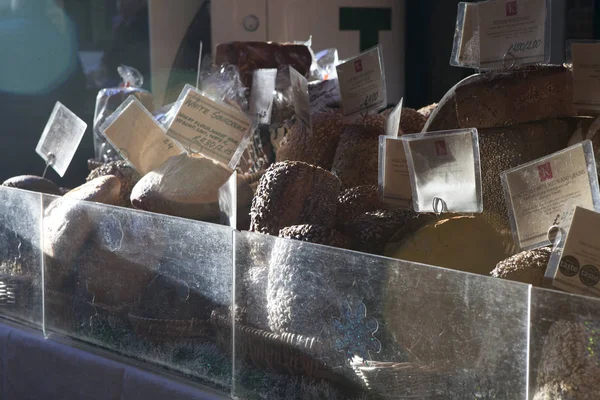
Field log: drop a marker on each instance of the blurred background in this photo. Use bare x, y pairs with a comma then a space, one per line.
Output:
67, 50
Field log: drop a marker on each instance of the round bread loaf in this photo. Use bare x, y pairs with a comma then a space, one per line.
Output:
294, 193
526, 267
316, 234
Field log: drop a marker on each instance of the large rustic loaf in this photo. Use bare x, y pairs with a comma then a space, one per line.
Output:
294, 193
504, 98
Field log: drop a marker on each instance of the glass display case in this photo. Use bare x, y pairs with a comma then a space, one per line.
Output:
264, 317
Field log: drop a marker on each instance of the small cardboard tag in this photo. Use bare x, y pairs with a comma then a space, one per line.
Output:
394, 178
444, 171
213, 129
586, 76
261, 95
362, 83
138, 137
578, 258
536, 192
301, 100
392, 123
61, 138
511, 31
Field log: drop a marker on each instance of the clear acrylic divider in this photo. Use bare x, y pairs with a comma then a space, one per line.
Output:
140, 284
318, 322
21, 277
565, 346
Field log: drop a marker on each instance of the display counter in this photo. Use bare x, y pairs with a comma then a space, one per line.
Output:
256, 316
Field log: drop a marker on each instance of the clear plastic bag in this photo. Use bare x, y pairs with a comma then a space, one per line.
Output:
107, 102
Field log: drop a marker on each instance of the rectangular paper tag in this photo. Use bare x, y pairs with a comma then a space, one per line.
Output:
392, 123
511, 31
261, 95
536, 192
444, 171
394, 179
578, 269
213, 129
586, 75
61, 138
362, 83
138, 137
300, 93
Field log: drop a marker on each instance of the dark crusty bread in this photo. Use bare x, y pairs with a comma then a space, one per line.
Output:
504, 98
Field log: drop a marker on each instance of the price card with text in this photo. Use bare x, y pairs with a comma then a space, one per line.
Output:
586, 75
513, 32
574, 265
536, 192
211, 128
138, 137
301, 100
262, 94
444, 171
61, 138
362, 83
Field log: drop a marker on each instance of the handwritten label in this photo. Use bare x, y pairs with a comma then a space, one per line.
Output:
511, 31
536, 192
138, 137
262, 93
579, 262
445, 165
394, 178
586, 75
205, 126
362, 83
301, 100
61, 138
392, 123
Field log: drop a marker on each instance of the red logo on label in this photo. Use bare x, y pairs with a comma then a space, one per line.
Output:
357, 66
511, 8
440, 148
545, 171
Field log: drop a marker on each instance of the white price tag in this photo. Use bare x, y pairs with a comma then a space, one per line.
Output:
138, 137
537, 192
362, 83
61, 138
213, 129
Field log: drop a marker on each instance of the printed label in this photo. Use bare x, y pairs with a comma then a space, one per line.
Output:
138, 137
537, 192
511, 31
586, 75
445, 165
395, 179
261, 96
362, 85
578, 269
212, 129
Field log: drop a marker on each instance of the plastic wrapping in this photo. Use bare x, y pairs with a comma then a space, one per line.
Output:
107, 102
326, 60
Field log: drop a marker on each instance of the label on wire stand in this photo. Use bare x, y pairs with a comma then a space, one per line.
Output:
61, 138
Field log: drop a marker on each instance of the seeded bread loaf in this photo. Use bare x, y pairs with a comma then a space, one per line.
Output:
504, 98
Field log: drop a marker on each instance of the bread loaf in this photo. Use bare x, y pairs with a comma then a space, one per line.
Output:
504, 98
